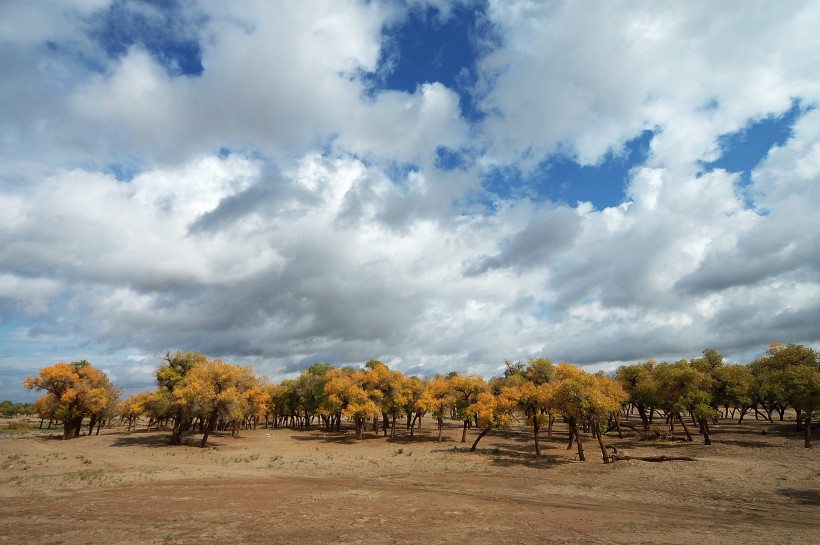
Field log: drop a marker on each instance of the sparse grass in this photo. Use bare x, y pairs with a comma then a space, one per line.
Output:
274, 459
88, 475
18, 425
240, 459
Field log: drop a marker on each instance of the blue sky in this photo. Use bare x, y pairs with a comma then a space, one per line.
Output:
442, 185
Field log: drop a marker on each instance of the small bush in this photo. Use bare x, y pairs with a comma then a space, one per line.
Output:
19, 425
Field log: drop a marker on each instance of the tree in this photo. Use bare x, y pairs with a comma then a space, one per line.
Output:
170, 377
75, 391
310, 387
586, 399
493, 410
132, 407
437, 398
790, 376
345, 395
785, 376
465, 392
535, 401
732, 386
540, 371
214, 389
683, 389
413, 389
639, 383
388, 391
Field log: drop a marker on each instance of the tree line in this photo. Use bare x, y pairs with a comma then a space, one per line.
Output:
197, 394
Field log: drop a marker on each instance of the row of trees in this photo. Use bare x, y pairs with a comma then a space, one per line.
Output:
705, 388
194, 392
10, 409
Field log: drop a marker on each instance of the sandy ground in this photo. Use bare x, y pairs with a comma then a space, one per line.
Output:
755, 484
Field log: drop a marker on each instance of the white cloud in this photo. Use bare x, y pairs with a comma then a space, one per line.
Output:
307, 241
583, 82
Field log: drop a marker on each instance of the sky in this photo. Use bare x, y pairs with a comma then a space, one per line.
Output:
441, 185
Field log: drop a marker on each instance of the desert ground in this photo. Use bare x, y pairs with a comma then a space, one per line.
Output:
755, 484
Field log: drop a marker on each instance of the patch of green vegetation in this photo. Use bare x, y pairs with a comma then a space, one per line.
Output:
87, 475
239, 459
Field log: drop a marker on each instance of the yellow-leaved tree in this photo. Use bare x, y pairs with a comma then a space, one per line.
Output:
214, 389
466, 389
74, 391
493, 410
436, 399
585, 399
345, 395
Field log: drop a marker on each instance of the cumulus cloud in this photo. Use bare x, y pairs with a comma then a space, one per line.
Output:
277, 209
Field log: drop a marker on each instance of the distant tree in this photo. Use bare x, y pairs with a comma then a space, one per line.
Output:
387, 390
413, 389
732, 387
540, 371
132, 407
790, 376
107, 410
465, 391
639, 383
214, 389
346, 395
493, 411
437, 398
684, 389
74, 391
170, 378
585, 399
310, 387
536, 402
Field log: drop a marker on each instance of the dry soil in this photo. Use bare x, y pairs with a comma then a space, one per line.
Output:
755, 484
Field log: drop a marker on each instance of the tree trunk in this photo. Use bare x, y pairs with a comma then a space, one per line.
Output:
685, 428
440, 428
535, 434
464, 433
596, 430
807, 439
71, 428
644, 418
209, 427
618, 426
480, 435
578, 440
393, 429
704, 430
176, 432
